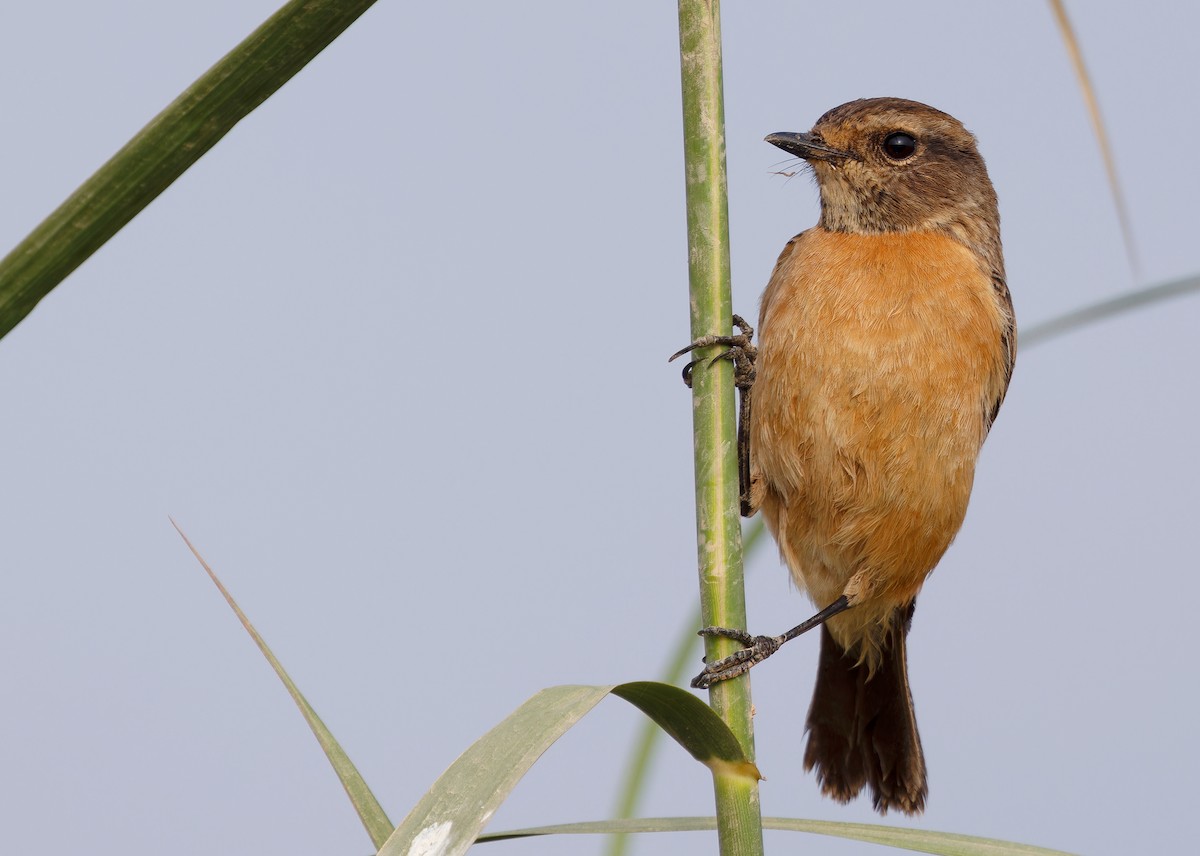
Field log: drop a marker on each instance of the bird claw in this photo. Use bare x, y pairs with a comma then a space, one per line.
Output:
757, 649
739, 350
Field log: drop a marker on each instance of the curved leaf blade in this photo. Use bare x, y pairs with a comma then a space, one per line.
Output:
918, 840
449, 817
370, 812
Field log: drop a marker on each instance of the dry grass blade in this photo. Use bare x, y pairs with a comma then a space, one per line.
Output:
1093, 108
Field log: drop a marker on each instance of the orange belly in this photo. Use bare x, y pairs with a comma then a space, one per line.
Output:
879, 357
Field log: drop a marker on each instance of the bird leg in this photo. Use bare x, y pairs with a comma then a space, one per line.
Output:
757, 648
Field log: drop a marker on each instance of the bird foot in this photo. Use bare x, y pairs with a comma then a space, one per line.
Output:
757, 649
739, 350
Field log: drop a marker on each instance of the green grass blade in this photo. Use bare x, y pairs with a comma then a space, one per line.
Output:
1075, 53
450, 816
918, 840
370, 812
164, 149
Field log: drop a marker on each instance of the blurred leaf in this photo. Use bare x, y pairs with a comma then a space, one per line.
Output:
163, 150
921, 841
1108, 308
1093, 109
449, 817
370, 812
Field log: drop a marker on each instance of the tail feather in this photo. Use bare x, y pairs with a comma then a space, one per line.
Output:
862, 726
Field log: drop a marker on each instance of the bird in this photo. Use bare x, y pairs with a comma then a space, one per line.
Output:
886, 343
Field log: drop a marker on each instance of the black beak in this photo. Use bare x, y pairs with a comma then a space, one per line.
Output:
808, 146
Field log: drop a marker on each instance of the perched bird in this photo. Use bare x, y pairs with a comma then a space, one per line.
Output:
886, 344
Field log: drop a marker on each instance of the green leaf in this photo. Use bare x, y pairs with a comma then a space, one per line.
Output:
163, 150
449, 817
919, 840
370, 812
693, 725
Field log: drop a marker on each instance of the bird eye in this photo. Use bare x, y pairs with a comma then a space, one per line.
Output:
899, 146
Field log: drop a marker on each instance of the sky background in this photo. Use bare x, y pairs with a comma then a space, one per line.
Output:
394, 356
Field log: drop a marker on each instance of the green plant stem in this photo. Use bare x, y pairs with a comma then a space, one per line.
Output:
164, 149
718, 525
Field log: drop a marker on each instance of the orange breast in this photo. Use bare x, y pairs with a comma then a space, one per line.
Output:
879, 357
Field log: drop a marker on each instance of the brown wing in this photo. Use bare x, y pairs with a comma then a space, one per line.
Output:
1008, 339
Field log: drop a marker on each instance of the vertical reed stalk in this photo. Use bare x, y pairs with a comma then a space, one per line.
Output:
718, 526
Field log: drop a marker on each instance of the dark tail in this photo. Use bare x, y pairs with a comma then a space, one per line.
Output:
863, 731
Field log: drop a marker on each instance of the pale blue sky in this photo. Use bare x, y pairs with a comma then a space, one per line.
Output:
394, 356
